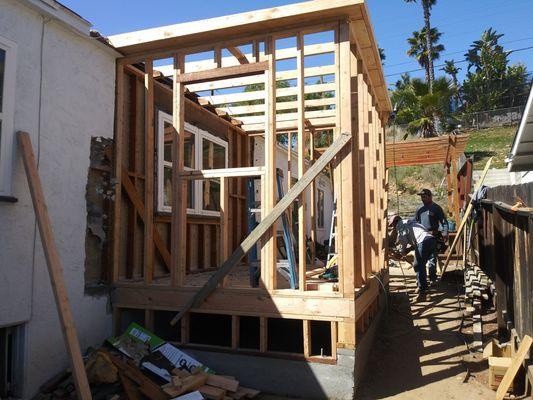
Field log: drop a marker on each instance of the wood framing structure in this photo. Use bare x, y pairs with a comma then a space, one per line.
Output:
443, 150
310, 72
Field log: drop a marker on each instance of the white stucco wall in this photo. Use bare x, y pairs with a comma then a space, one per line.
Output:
77, 102
322, 183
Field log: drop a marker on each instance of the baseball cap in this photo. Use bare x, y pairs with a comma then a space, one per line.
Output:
427, 192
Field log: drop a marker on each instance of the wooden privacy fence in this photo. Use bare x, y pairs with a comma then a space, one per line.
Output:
503, 246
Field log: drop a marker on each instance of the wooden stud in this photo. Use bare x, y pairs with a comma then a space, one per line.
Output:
346, 202
131, 238
307, 337
117, 170
149, 319
334, 339
224, 224
313, 199
235, 332
149, 150
185, 329
302, 151
139, 208
263, 334
269, 251
55, 270
179, 190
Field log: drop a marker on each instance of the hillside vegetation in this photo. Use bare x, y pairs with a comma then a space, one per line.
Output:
406, 182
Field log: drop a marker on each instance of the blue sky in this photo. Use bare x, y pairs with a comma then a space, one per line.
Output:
461, 22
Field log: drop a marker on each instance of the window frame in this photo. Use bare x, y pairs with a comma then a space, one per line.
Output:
7, 116
199, 136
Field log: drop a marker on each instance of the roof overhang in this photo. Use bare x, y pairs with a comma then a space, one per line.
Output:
521, 157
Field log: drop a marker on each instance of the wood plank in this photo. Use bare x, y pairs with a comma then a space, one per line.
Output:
266, 223
222, 382
224, 72
223, 173
55, 270
319, 306
348, 262
281, 54
268, 242
260, 94
117, 171
238, 54
255, 79
518, 359
263, 334
139, 207
149, 151
259, 119
224, 223
235, 332
179, 190
285, 105
307, 337
334, 339
302, 165
286, 125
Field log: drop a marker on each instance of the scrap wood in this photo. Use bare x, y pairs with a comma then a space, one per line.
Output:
221, 382
132, 391
246, 392
188, 384
517, 361
212, 393
147, 387
55, 270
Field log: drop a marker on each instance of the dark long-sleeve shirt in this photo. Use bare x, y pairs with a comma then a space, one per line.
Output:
430, 216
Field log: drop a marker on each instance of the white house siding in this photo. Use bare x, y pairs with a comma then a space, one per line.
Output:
78, 83
322, 183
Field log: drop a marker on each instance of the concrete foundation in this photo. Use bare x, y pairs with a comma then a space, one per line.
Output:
306, 380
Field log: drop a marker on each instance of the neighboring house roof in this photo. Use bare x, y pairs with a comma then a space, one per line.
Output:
521, 157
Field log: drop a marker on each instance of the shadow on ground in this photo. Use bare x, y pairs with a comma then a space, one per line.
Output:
419, 352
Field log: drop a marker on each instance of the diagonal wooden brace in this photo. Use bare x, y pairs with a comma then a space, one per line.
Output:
137, 202
265, 224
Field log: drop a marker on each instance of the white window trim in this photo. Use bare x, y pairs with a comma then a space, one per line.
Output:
7, 116
199, 135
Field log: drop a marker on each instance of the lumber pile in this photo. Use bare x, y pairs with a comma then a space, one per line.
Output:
139, 365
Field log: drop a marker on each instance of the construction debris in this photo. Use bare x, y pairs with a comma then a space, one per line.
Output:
139, 364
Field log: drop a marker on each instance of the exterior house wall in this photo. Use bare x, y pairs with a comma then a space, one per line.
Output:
322, 183
61, 102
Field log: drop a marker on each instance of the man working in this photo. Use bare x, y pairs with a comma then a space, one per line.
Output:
412, 235
430, 214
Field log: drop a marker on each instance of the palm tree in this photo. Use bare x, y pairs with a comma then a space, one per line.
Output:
451, 69
427, 5
382, 55
418, 50
419, 108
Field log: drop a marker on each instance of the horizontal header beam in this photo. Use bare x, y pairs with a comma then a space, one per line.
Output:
223, 73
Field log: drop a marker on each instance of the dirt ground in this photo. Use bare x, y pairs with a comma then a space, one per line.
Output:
419, 353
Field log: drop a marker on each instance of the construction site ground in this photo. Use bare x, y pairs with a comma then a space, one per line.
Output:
419, 352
